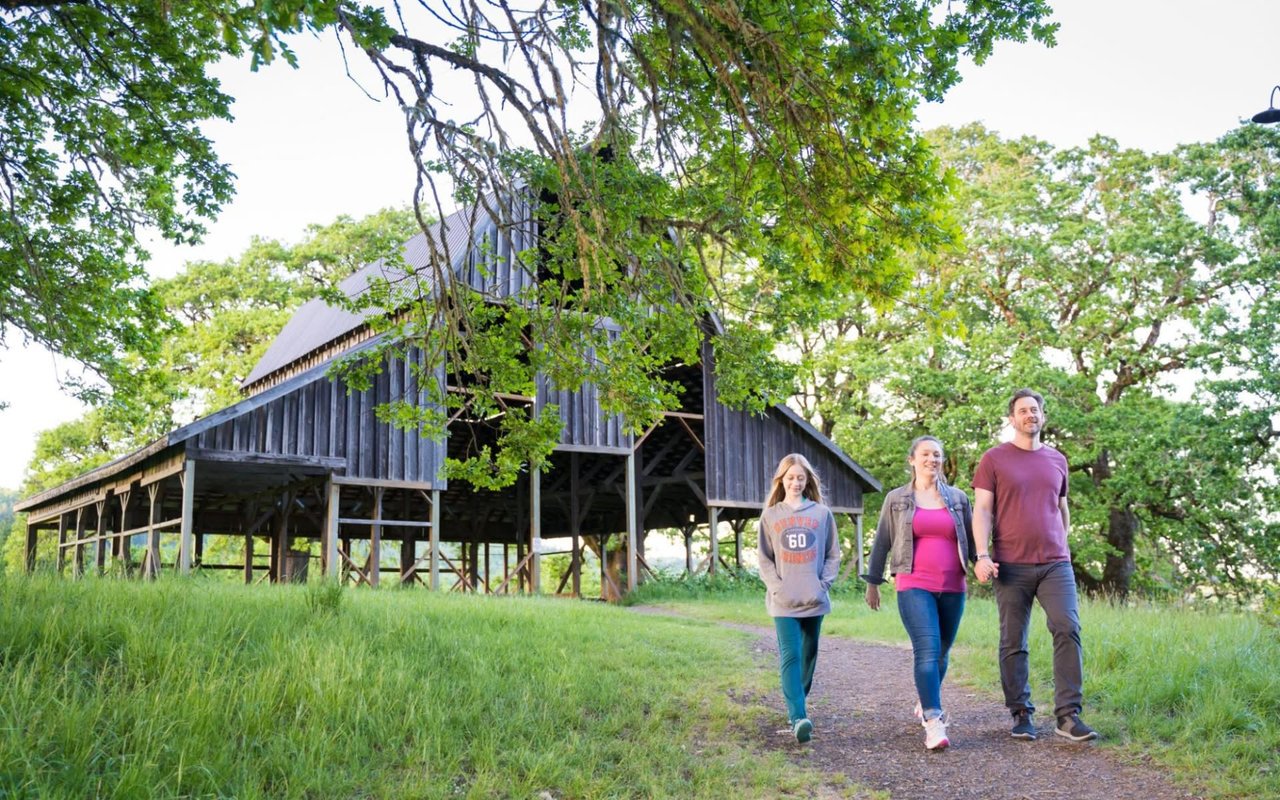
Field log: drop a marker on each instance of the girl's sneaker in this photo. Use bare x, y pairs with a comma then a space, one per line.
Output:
935, 734
803, 730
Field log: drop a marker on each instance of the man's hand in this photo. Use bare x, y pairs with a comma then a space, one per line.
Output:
873, 596
986, 569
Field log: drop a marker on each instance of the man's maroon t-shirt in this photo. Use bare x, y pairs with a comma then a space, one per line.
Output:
1027, 485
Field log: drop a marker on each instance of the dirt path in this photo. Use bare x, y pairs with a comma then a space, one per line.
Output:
863, 728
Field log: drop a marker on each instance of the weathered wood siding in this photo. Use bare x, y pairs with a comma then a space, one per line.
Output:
491, 262
743, 450
586, 427
319, 418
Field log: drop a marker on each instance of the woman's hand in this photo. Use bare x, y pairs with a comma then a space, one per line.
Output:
873, 596
985, 569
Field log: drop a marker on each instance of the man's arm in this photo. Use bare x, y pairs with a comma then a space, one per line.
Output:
984, 502
1066, 515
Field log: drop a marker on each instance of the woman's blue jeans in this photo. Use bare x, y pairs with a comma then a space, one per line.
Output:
797, 657
931, 620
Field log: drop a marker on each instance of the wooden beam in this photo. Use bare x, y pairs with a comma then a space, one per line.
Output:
77, 564
713, 525
30, 560
575, 524
151, 568
248, 558
435, 540
535, 530
738, 526
692, 435
343, 480
124, 547
857, 521
385, 523
359, 573
100, 545
375, 537
520, 567
186, 533
333, 497
632, 520
696, 489
60, 556
461, 573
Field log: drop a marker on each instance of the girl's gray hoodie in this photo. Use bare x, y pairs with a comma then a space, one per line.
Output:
799, 559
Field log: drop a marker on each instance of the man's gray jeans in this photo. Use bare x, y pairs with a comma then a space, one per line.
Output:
1054, 586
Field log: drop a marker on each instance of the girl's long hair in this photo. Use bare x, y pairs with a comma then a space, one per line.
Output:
812, 485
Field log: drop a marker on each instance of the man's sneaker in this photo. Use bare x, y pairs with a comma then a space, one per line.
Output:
919, 712
1072, 728
935, 734
803, 730
1022, 727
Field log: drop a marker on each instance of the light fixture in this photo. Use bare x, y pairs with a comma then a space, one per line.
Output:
1272, 114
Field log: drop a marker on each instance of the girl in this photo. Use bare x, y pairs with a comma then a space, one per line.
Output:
799, 558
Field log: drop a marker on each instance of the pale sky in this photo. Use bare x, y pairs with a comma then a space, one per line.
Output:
308, 145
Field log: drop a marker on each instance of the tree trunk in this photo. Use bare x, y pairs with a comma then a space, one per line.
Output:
1122, 529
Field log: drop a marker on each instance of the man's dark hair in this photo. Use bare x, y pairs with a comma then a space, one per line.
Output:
1021, 393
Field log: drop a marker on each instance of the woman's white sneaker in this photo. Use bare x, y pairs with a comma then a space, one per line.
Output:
935, 734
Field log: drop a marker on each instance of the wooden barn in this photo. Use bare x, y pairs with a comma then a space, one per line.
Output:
303, 460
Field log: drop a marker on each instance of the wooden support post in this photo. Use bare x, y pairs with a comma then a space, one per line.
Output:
435, 539
199, 559
375, 538
575, 565
535, 530
61, 556
603, 540
248, 558
738, 525
408, 560
521, 583
280, 542
713, 526
186, 533
638, 501
30, 560
151, 569
633, 488
333, 498
100, 546
124, 544
688, 530
857, 521
77, 563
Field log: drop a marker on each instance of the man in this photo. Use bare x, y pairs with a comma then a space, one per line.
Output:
1020, 524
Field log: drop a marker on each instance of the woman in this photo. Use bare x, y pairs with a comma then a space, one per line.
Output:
799, 558
926, 531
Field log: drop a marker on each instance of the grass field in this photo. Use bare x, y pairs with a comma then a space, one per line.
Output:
186, 688
1199, 691
195, 689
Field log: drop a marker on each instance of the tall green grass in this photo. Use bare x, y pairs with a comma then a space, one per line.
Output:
197, 689
1197, 690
